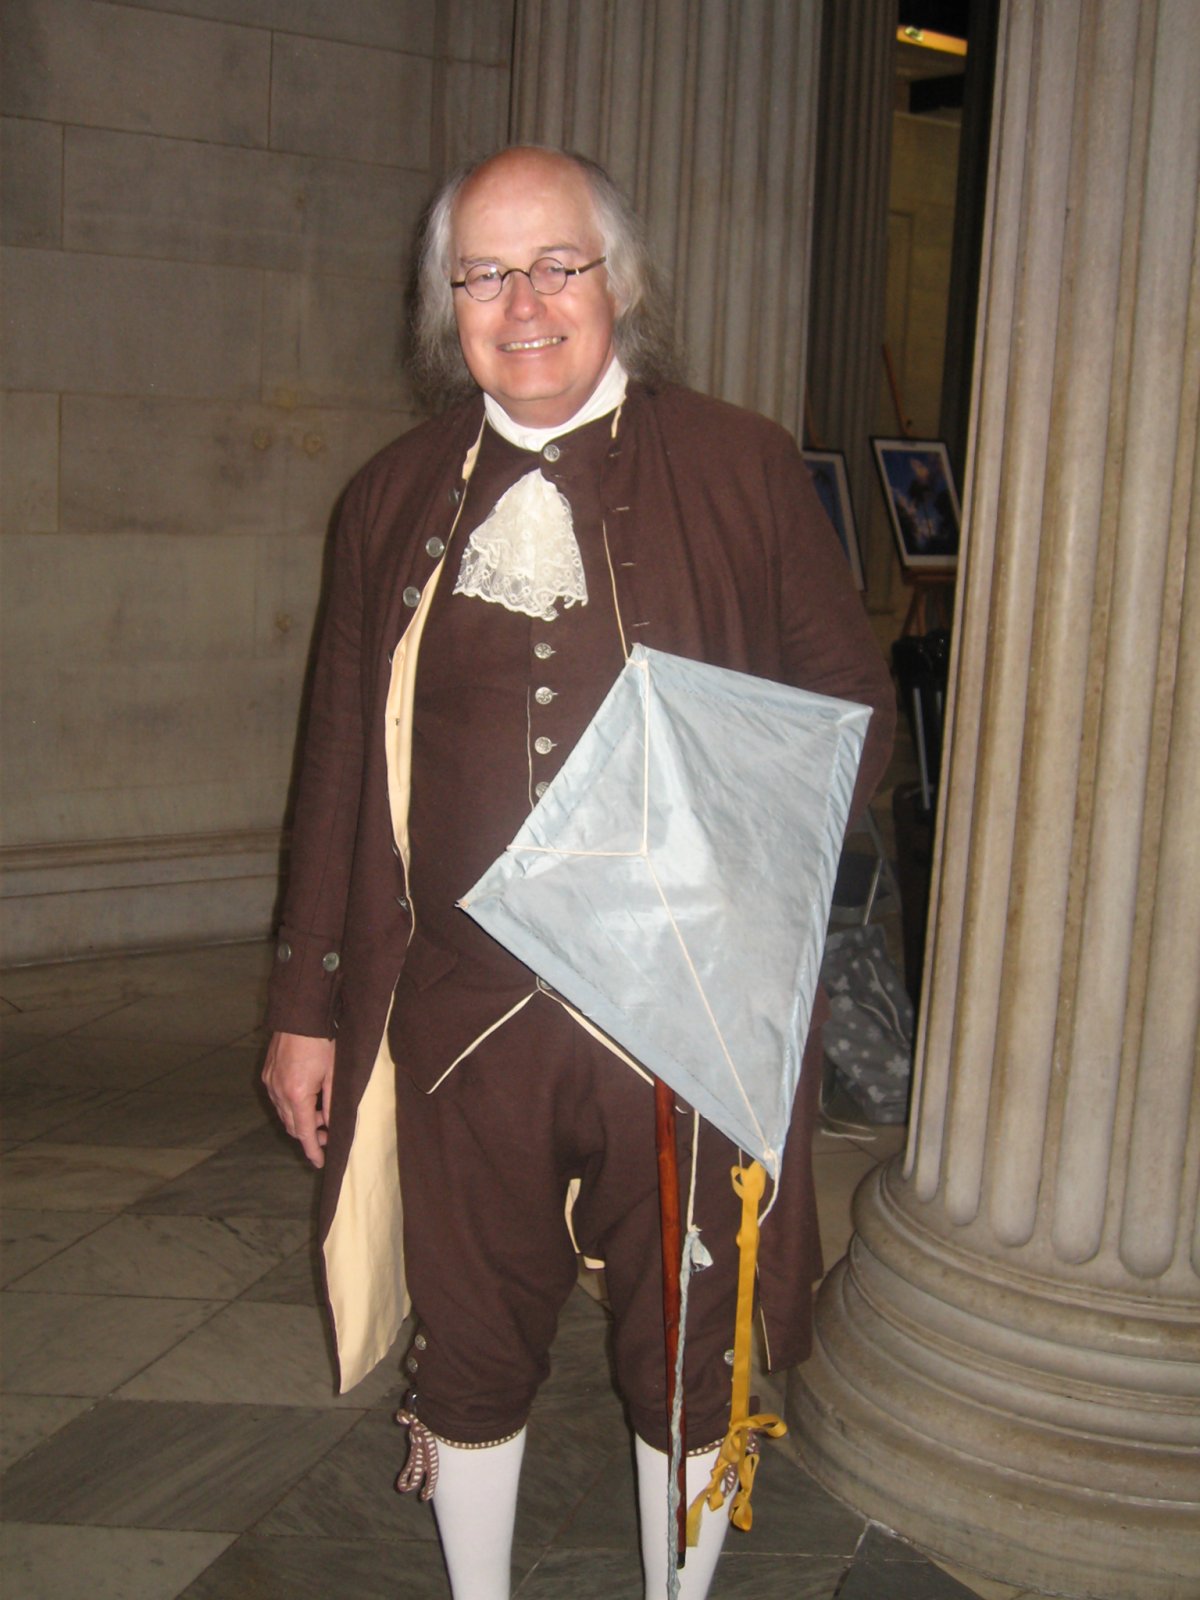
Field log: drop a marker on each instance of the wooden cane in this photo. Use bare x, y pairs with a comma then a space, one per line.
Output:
672, 1255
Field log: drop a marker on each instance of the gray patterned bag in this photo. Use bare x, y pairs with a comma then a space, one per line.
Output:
869, 1036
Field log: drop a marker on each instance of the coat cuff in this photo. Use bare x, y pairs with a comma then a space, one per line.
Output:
303, 988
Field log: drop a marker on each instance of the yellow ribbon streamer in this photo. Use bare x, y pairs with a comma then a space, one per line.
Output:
737, 1460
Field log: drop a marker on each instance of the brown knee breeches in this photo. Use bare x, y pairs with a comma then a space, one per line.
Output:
486, 1163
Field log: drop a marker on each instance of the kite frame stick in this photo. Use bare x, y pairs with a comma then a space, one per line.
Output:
672, 1257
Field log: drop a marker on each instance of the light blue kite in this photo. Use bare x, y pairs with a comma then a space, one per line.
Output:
674, 882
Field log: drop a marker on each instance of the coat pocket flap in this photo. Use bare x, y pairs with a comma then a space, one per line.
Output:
427, 962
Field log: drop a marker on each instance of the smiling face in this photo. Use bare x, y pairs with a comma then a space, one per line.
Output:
541, 357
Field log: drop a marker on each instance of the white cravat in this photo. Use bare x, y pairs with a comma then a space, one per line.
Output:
524, 555
605, 397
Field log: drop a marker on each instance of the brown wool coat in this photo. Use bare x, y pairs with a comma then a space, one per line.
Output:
720, 553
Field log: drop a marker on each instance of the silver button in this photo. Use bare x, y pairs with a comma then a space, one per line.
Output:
435, 547
332, 961
729, 1358
543, 746
551, 452
283, 951
402, 902
540, 788
543, 651
411, 596
420, 1342
543, 696
411, 1363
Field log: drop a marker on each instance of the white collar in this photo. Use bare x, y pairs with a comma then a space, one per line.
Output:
605, 397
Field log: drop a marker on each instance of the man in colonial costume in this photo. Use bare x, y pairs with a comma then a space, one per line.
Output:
492, 570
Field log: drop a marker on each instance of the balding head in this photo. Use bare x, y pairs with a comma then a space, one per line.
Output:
641, 333
537, 343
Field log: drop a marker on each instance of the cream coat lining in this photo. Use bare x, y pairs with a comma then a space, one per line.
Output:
364, 1248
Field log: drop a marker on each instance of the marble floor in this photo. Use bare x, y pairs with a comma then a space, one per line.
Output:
169, 1421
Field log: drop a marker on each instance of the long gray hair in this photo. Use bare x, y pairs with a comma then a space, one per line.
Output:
643, 334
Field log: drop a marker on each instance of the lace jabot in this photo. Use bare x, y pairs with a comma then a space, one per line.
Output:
524, 555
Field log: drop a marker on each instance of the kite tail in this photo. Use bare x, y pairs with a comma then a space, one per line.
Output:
694, 1255
695, 1258
737, 1460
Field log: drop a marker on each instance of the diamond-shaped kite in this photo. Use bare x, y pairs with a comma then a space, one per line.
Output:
674, 882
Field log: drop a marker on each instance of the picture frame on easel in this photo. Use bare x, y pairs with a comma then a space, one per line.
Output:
828, 471
922, 502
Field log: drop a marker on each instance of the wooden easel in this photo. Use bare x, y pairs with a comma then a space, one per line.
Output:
927, 587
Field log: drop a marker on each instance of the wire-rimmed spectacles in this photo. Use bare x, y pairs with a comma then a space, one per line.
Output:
485, 280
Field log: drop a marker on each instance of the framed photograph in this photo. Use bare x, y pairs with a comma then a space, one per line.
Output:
922, 502
828, 470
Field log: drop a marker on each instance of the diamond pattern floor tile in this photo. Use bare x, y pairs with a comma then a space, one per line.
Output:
159, 1243
199, 1258
213, 1468
29, 1237
257, 1568
166, 1117
81, 1177
26, 1420
260, 1354
111, 1065
52, 1563
261, 1175
74, 1344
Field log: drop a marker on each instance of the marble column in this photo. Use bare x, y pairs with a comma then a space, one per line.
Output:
850, 224
705, 114
1007, 1367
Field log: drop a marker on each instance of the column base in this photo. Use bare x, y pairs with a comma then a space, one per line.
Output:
1039, 1432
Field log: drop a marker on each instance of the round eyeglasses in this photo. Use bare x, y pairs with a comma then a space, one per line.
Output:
547, 276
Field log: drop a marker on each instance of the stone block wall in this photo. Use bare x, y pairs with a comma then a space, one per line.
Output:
208, 208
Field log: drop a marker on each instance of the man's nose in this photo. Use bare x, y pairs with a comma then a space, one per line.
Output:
523, 298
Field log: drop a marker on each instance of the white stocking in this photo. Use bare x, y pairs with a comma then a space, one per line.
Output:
701, 1561
475, 1504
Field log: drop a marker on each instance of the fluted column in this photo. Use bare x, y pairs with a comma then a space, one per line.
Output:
1008, 1362
705, 114
846, 315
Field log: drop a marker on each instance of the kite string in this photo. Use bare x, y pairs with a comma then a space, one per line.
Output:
646, 761
551, 850
687, 1262
691, 1209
